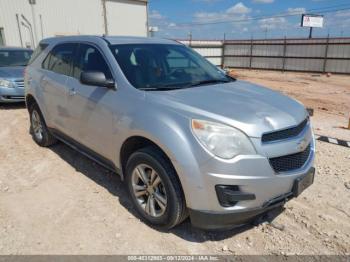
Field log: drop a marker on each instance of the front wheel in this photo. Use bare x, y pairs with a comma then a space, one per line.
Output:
155, 189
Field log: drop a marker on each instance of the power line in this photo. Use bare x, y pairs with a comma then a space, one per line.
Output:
319, 10
184, 10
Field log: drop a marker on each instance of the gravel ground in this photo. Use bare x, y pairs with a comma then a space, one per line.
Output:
56, 201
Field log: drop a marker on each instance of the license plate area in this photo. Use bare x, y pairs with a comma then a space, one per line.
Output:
301, 183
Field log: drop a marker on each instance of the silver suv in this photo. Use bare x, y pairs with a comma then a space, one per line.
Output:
186, 138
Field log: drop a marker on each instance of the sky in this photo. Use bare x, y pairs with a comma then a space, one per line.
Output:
245, 19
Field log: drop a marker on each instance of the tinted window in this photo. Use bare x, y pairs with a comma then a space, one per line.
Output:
156, 66
176, 59
60, 59
14, 57
41, 47
90, 59
46, 62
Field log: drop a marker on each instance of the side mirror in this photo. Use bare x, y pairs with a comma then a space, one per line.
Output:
96, 79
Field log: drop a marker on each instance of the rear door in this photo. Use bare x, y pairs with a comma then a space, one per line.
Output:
57, 68
90, 106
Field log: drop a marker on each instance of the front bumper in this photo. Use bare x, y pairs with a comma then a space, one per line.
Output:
253, 175
217, 220
10, 95
210, 220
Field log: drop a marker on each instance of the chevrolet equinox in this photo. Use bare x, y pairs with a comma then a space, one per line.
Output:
186, 138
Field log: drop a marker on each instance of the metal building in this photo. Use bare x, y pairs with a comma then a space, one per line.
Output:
26, 22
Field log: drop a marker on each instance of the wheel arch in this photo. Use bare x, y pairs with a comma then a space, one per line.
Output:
134, 143
30, 100
137, 142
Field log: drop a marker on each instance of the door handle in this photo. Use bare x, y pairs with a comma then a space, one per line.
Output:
72, 92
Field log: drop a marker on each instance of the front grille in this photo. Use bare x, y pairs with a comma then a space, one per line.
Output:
19, 83
290, 162
285, 133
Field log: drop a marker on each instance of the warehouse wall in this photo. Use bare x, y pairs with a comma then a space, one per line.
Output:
126, 18
67, 17
71, 17
8, 10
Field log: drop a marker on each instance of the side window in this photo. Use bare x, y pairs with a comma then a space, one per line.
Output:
46, 62
41, 47
60, 59
90, 59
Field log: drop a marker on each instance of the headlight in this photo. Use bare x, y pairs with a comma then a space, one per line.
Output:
222, 140
5, 83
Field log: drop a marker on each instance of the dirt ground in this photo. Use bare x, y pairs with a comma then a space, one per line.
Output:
56, 201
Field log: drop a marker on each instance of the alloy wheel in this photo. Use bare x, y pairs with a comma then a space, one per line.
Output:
37, 125
149, 190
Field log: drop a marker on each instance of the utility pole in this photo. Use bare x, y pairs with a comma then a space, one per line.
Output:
41, 26
190, 35
148, 31
223, 52
310, 33
105, 21
35, 38
19, 30
29, 26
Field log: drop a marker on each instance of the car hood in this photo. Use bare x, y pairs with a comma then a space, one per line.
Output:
12, 72
251, 108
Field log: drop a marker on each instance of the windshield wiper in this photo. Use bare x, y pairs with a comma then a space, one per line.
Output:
159, 88
164, 87
183, 85
210, 81
12, 65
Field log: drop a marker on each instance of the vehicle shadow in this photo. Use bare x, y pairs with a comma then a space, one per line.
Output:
113, 183
11, 106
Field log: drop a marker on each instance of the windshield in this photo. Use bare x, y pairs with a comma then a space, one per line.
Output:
14, 57
162, 66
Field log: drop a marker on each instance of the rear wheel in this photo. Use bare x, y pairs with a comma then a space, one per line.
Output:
38, 129
155, 189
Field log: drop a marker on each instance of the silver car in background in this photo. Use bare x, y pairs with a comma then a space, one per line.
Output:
187, 139
13, 60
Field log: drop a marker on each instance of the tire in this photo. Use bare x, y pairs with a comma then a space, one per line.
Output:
175, 209
45, 139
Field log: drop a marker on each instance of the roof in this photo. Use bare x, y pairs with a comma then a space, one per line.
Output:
111, 39
137, 40
13, 48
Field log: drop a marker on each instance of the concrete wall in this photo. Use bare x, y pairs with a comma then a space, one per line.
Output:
70, 17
